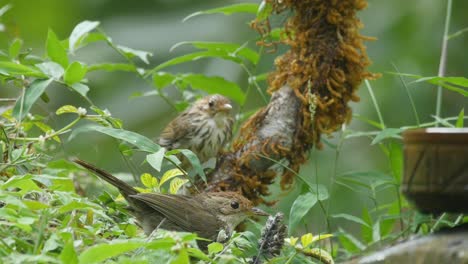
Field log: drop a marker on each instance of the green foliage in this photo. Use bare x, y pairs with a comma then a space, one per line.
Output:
45, 218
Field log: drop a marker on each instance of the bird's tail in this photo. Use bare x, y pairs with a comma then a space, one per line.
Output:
123, 187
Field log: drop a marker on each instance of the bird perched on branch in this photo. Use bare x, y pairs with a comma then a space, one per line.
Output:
204, 128
207, 214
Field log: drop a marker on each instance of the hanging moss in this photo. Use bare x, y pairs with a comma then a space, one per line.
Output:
324, 66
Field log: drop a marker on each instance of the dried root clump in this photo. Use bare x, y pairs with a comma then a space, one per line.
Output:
311, 87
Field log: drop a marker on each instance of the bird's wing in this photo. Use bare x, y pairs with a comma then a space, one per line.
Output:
178, 129
192, 218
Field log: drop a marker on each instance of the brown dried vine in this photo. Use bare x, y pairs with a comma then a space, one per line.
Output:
324, 67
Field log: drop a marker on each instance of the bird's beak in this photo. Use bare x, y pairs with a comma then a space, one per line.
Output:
225, 107
258, 211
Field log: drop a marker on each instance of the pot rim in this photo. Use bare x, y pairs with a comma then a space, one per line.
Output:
436, 135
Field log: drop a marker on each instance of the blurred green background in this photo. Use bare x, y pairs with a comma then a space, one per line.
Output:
409, 35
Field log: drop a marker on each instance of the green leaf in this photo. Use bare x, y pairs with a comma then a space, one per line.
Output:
51, 69
460, 119
227, 10
264, 10
396, 160
130, 53
175, 185
387, 133
66, 109
80, 88
215, 247
229, 49
367, 179
15, 48
351, 218
55, 51
10, 68
193, 57
215, 84
196, 253
156, 159
162, 79
32, 93
193, 159
300, 208
170, 174
306, 239
68, 254
112, 67
349, 242
140, 141
79, 31
148, 180
74, 73
102, 252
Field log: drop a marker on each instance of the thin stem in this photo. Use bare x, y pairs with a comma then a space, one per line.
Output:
374, 101
413, 106
443, 56
8, 100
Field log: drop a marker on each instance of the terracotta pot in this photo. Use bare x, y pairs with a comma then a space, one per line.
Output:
436, 169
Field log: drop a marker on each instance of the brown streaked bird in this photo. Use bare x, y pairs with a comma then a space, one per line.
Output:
204, 128
205, 214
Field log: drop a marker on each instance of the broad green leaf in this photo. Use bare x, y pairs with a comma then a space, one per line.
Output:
11, 68
264, 10
227, 10
460, 119
182, 257
23, 182
215, 84
156, 159
300, 208
55, 51
196, 253
68, 254
367, 179
351, 218
229, 49
74, 73
195, 162
396, 160
80, 88
52, 243
130, 53
75, 205
45, 128
215, 247
175, 185
387, 133
170, 174
15, 48
321, 237
162, 79
148, 180
306, 239
111, 67
140, 141
193, 57
32, 93
101, 252
51, 69
92, 37
79, 31
349, 242
66, 109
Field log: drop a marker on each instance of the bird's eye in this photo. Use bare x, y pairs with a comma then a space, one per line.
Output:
234, 205
211, 103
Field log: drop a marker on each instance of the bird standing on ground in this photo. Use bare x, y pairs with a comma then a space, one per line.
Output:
204, 128
206, 214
